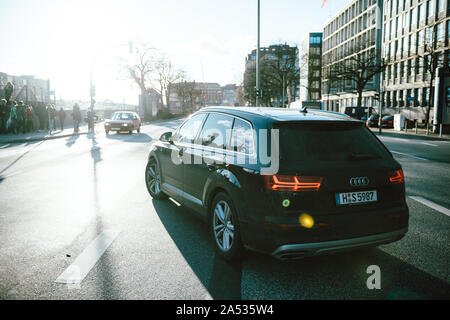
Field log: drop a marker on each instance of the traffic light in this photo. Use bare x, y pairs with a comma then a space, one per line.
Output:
376, 96
258, 92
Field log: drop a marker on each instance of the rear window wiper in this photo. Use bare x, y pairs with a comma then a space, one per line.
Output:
362, 156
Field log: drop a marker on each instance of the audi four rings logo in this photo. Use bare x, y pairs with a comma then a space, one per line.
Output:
361, 181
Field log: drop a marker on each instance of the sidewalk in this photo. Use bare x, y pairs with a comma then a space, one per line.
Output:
68, 132
40, 135
411, 134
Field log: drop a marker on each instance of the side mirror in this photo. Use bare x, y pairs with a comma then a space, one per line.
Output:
166, 137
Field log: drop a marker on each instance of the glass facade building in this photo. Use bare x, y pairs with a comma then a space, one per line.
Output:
415, 34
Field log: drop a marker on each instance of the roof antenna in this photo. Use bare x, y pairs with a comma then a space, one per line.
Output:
304, 109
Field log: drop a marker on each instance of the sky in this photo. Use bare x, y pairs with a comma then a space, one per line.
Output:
209, 39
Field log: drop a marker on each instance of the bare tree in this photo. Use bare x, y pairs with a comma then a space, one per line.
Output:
430, 59
187, 92
240, 95
280, 74
140, 70
330, 77
359, 68
304, 70
166, 76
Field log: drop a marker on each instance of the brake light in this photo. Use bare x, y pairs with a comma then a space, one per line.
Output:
397, 177
292, 183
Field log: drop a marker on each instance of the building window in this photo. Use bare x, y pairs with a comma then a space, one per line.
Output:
440, 4
430, 8
440, 36
422, 13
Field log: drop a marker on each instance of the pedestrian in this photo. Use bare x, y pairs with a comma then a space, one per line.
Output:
12, 126
45, 117
3, 115
62, 116
29, 126
76, 115
51, 117
21, 117
90, 119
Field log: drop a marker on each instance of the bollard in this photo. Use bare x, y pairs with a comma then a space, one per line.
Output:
406, 126
416, 126
440, 130
428, 128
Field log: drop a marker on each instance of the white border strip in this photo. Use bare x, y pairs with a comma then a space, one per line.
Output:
430, 144
432, 205
78, 270
409, 155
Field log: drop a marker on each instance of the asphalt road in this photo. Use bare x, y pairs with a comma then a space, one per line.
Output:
60, 198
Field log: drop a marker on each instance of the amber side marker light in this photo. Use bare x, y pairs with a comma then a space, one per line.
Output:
292, 183
397, 177
306, 220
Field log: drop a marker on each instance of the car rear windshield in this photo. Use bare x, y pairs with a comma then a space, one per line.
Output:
122, 116
307, 142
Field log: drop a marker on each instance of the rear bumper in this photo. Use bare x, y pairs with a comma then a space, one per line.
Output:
295, 251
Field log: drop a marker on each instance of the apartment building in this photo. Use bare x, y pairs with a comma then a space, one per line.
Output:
354, 31
315, 66
27, 88
274, 59
415, 33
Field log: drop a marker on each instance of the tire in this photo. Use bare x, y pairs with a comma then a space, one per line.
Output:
107, 131
130, 132
152, 172
226, 239
139, 130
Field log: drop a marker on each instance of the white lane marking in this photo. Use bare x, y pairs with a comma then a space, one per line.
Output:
432, 205
409, 155
78, 270
429, 144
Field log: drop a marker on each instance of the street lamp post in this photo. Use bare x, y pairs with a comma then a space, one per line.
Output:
258, 71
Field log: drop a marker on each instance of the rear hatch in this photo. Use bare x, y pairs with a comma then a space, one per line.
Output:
343, 158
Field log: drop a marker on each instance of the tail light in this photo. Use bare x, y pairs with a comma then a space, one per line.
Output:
292, 183
397, 177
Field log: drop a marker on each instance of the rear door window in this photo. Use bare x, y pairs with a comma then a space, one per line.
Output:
242, 137
323, 142
216, 131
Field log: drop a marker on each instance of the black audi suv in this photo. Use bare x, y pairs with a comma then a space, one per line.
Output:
287, 182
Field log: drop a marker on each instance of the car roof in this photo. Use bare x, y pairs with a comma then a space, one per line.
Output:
281, 114
132, 112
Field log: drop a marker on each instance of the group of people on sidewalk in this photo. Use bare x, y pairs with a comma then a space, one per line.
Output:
18, 117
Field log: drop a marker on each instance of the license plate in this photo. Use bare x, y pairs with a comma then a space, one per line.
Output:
356, 197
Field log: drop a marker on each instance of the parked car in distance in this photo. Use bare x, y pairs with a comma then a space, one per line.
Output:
373, 121
358, 112
387, 122
320, 192
123, 121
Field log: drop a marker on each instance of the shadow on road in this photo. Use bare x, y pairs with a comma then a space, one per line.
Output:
106, 286
338, 276
220, 278
71, 141
126, 137
20, 157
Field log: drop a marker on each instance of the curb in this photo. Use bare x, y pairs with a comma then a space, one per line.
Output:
410, 136
33, 139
